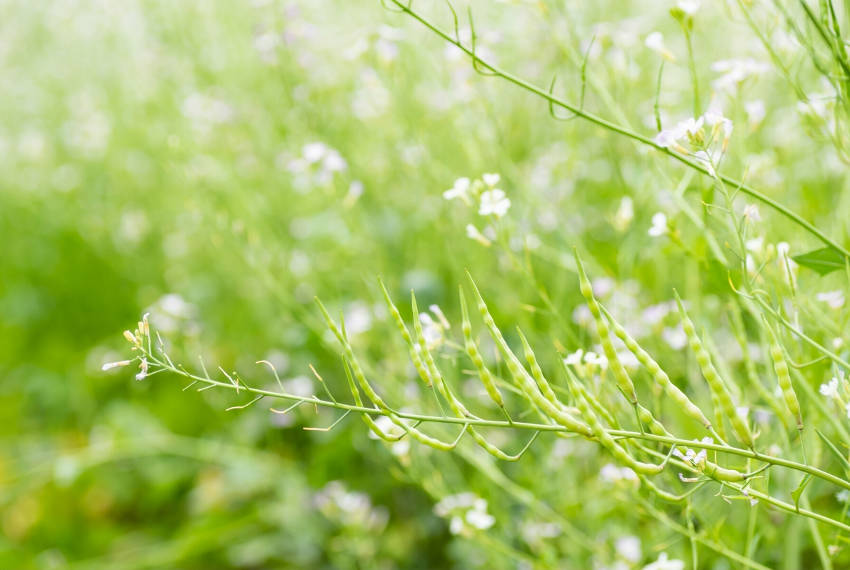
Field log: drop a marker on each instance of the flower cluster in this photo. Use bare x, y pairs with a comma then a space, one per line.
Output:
491, 202
466, 511
706, 137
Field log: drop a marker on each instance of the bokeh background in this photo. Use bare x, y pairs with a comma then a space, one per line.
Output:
218, 164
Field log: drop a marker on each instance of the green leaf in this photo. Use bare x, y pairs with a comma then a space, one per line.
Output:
832, 447
824, 260
798, 492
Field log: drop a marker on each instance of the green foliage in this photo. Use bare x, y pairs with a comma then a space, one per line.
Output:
217, 166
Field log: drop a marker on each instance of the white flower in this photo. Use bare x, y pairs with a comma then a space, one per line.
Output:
459, 190
675, 337
751, 213
665, 563
667, 138
830, 390
842, 496
705, 161
690, 126
314, 152
491, 179
628, 547
755, 112
689, 7
735, 71
655, 42
473, 233
480, 519
574, 359
494, 202
111, 365
610, 473
659, 225
432, 331
835, 299
598, 359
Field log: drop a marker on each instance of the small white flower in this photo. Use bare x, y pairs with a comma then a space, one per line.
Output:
574, 359
830, 390
598, 359
665, 563
755, 112
689, 7
459, 190
494, 202
628, 547
705, 160
473, 233
491, 179
659, 225
842, 496
835, 299
432, 331
751, 213
314, 152
655, 42
480, 519
675, 337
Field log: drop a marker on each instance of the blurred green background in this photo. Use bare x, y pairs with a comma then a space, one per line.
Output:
219, 164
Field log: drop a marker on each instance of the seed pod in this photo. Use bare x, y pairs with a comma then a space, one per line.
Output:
784, 376
358, 374
617, 368
715, 382
520, 375
750, 367
581, 397
402, 328
433, 372
658, 374
475, 356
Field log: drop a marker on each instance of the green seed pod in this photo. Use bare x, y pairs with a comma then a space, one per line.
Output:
780, 366
715, 382
433, 372
750, 367
520, 376
402, 328
581, 397
358, 374
658, 374
475, 356
617, 368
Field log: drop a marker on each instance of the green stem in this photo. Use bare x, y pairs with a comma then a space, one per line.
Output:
599, 121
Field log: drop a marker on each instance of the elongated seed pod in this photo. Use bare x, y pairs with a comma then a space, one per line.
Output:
750, 367
474, 354
433, 372
780, 366
657, 373
402, 328
715, 470
520, 375
366, 417
370, 392
719, 426
581, 397
596, 404
602, 329
715, 382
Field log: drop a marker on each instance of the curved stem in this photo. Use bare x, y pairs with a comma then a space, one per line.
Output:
496, 71
476, 422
